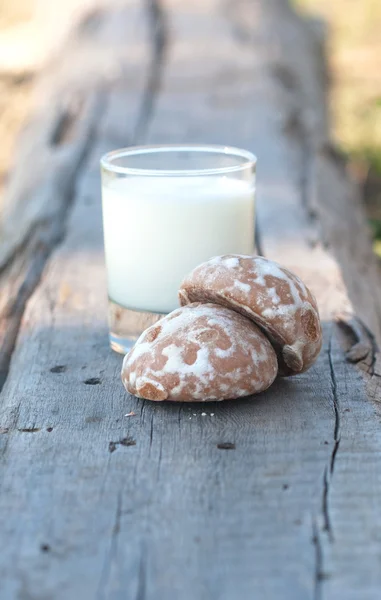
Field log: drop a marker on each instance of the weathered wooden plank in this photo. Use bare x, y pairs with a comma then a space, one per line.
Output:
174, 515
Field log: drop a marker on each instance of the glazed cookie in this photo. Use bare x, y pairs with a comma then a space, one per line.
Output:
200, 352
269, 295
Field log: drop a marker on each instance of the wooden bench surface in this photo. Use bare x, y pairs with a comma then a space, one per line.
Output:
292, 511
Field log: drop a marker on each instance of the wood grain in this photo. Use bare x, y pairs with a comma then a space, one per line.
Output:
273, 497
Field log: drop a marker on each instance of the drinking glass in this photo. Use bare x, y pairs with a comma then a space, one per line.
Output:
167, 209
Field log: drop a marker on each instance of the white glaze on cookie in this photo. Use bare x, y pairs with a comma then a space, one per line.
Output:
200, 352
270, 295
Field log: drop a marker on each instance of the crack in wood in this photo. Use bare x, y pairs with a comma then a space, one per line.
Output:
47, 235
159, 461
11, 319
159, 42
7, 263
65, 125
325, 506
113, 550
142, 410
329, 470
180, 412
336, 406
295, 128
29, 429
327, 527
141, 591
317, 593
151, 430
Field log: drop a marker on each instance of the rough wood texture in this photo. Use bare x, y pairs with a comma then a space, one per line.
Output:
275, 497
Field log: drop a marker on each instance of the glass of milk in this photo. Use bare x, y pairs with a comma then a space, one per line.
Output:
167, 209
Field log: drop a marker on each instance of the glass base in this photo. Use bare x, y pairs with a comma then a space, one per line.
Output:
127, 325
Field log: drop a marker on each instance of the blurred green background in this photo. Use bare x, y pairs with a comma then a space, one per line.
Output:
354, 54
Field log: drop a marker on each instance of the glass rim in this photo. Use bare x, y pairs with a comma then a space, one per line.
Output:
107, 159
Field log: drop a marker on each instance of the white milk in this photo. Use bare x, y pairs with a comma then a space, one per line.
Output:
157, 229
